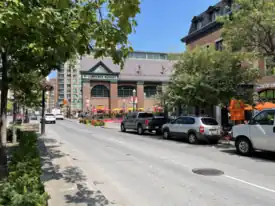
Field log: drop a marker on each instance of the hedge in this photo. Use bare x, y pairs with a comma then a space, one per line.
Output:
23, 186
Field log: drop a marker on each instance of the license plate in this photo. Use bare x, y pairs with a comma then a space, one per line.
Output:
156, 127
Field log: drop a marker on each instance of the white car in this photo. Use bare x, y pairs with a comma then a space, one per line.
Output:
258, 134
59, 116
50, 118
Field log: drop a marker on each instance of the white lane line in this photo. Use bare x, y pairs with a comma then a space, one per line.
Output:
251, 184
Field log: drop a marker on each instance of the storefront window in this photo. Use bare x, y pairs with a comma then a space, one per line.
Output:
150, 91
125, 91
100, 91
267, 95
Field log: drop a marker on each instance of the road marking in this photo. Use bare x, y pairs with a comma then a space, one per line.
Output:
251, 184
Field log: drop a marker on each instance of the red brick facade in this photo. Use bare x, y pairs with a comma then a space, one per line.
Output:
113, 101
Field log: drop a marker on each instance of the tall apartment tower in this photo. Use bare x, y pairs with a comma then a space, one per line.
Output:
69, 85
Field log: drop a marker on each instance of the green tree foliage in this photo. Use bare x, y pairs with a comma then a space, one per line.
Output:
251, 26
9, 106
42, 35
208, 77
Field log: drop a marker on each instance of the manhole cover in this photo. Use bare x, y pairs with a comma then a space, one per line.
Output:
208, 172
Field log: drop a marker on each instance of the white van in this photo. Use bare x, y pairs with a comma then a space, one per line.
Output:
258, 134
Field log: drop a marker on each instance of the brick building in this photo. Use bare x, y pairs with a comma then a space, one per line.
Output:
205, 30
104, 85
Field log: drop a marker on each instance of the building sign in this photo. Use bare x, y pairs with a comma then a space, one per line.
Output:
265, 86
99, 77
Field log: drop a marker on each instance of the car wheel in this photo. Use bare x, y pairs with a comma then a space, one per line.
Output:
166, 134
122, 128
140, 130
54, 122
192, 139
244, 147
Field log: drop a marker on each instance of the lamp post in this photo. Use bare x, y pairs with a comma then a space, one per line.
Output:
134, 99
46, 86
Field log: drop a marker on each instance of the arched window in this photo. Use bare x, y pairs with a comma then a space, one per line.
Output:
125, 91
100, 91
150, 91
267, 95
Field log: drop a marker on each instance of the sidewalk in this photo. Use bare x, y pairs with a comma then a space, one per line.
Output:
65, 183
112, 125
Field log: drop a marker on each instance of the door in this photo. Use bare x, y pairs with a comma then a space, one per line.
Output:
177, 127
133, 119
262, 130
127, 121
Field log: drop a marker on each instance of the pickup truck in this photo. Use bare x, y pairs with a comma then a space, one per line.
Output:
142, 121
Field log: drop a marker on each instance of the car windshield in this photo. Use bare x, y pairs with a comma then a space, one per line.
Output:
209, 121
49, 115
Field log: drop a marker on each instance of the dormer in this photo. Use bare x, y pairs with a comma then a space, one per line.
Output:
212, 12
197, 22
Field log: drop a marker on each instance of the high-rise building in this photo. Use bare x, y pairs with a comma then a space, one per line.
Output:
69, 85
52, 95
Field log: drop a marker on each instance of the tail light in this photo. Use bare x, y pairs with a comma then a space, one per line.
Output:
146, 122
201, 129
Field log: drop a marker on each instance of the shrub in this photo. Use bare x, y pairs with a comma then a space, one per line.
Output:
23, 185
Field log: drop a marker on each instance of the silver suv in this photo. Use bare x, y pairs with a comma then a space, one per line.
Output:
194, 129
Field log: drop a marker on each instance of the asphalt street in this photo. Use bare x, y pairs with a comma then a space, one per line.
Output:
134, 170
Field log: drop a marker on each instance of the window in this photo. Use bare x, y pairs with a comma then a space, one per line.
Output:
218, 45
100, 91
265, 118
179, 121
199, 24
145, 115
267, 95
212, 16
189, 120
125, 91
163, 56
209, 121
150, 91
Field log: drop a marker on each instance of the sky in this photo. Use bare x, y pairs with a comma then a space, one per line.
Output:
162, 23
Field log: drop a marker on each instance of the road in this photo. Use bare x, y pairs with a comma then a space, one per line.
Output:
134, 170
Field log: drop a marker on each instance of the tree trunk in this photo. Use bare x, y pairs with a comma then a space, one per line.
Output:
43, 113
3, 111
14, 111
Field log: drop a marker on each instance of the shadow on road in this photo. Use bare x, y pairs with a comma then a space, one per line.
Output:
257, 155
70, 174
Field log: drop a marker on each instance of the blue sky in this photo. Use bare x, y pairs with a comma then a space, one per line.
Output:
162, 23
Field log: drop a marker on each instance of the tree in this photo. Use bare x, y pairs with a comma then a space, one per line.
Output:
205, 76
9, 106
42, 35
251, 26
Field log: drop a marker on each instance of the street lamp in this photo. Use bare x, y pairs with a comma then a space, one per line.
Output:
45, 86
134, 99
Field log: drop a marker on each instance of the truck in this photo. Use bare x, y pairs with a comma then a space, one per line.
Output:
142, 121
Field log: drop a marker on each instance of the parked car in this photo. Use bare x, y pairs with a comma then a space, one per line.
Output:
194, 129
33, 117
258, 134
142, 121
49, 118
59, 116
